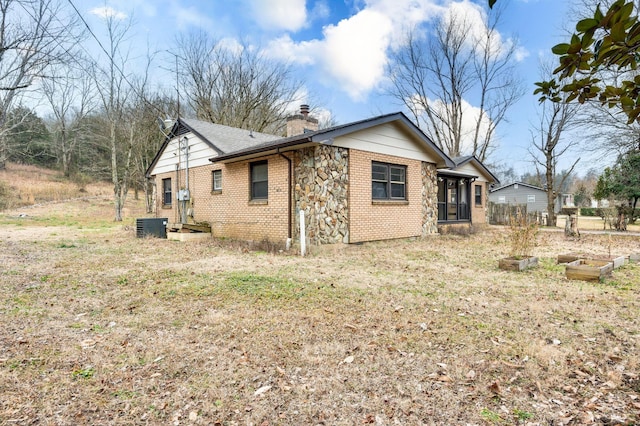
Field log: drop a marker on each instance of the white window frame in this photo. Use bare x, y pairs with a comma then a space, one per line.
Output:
216, 176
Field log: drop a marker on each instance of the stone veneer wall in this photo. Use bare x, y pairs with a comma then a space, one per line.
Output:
321, 189
429, 199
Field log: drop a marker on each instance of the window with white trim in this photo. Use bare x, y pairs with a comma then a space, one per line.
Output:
216, 177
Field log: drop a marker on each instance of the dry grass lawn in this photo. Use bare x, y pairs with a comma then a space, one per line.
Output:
99, 327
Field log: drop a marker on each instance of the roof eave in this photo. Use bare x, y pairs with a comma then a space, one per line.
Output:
249, 154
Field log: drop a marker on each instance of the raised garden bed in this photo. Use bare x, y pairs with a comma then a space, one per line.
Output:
517, 264
588, 269
617, 261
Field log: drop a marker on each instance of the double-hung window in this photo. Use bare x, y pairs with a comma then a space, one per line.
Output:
478, 195
388, 181
259, 180
166, 192
216, 177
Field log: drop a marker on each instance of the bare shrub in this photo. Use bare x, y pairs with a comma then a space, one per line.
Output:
522, 235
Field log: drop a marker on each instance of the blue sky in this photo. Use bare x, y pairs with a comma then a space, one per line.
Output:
341, 46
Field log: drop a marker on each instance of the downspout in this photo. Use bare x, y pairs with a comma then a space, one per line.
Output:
174, 197
289, 195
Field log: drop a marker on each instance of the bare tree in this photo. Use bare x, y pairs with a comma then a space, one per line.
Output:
236, 85
433, 78
142, 113
69, 93
549, 142
33, 36
113, 93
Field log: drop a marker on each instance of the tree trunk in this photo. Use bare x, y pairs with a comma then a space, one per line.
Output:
148, 196
117, 187
571, 226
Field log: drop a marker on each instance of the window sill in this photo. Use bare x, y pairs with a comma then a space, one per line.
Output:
258, 202
217, 191
389, 202
444, 222
167, 206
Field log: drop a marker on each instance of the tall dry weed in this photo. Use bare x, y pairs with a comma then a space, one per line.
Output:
522, 235
25, 185
6, 199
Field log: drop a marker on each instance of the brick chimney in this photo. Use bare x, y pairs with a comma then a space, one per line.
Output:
301, 123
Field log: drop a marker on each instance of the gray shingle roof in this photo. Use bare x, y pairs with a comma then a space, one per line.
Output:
228, 139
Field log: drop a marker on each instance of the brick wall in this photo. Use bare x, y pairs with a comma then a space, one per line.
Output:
162, 210
479, 213
234, 215
378, 220
230, 212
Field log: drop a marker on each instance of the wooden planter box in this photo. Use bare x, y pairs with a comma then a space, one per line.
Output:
617, 261
513, 264
588, 269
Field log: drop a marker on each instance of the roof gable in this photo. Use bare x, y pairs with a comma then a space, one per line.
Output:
221, 139
472, 161
526, 185
327, 136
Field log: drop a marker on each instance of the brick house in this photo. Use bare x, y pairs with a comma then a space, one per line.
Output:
375, 179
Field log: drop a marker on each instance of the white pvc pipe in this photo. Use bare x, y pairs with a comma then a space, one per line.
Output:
303, 237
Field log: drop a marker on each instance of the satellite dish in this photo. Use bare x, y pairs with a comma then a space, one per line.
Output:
164, 125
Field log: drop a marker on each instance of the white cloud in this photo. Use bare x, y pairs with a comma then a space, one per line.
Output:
108, 12
521, 54
320, 10
302, 53
352, 54
288, 15
354, 51
190, 17
231, 45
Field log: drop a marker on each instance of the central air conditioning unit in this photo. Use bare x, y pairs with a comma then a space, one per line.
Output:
152, 227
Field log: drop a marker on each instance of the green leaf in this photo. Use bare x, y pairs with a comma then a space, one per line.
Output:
625, 11
586, 25
560, 49
598, 15
618, 34
587, 39
574, 48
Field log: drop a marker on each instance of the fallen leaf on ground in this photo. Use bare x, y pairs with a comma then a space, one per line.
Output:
495, 388
262, 390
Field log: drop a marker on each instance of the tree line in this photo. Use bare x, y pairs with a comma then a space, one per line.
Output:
102, 108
